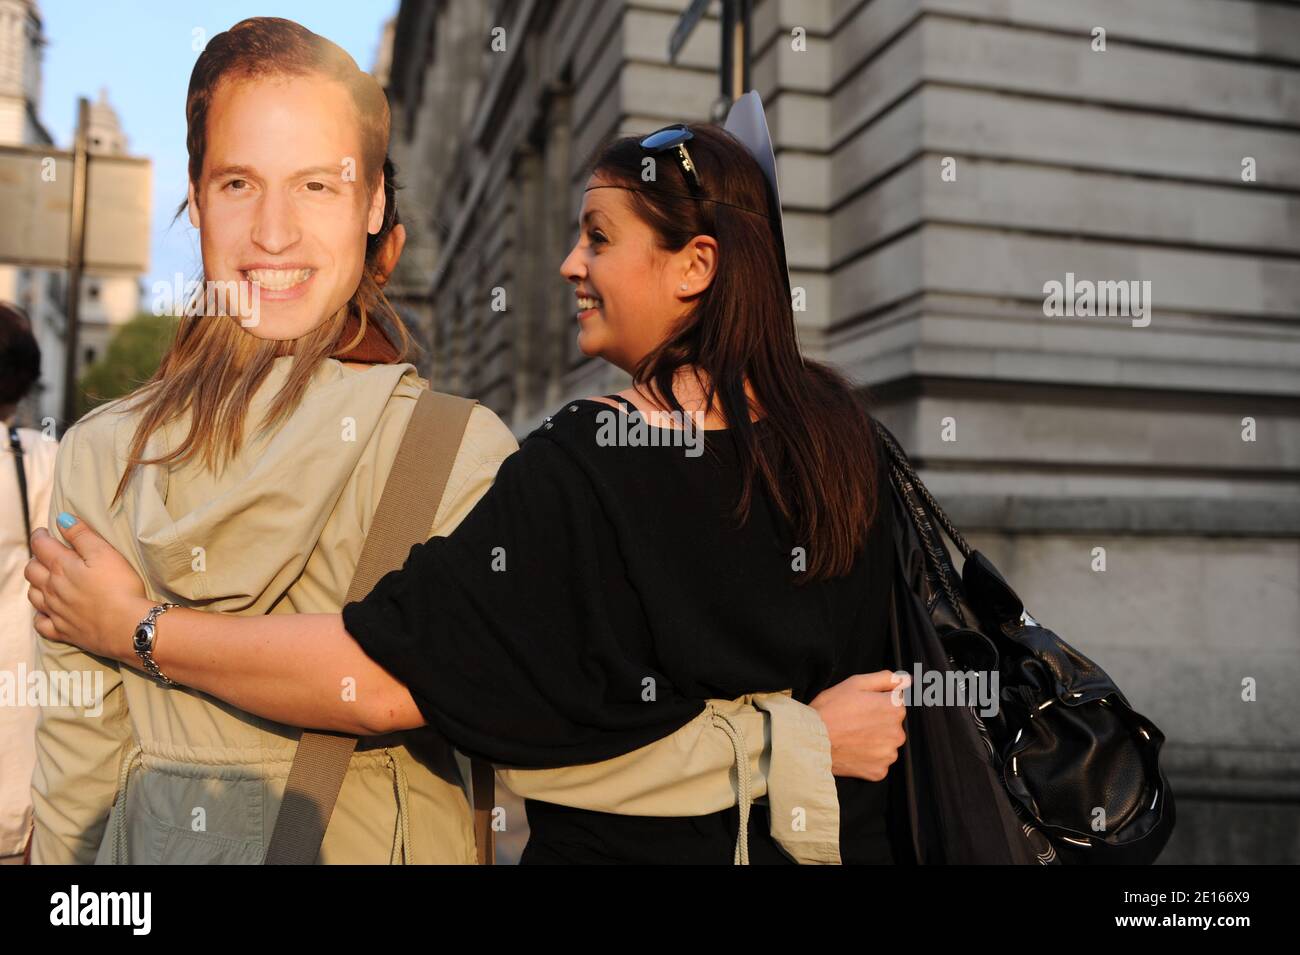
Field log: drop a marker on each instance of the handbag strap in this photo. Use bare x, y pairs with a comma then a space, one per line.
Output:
913, 492
406, 512
901, 463
16, 445
483, 779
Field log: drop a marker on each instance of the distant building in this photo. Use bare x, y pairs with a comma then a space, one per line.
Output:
40, 293
21, 42
1137, 477
107, 301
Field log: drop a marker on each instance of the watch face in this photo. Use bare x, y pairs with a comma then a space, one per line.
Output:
143, 637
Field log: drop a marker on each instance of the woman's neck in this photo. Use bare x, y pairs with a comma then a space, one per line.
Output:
689, 388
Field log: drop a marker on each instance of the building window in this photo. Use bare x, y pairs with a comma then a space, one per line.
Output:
54, 289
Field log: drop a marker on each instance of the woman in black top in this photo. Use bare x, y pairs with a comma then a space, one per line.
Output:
636, 540
708, 533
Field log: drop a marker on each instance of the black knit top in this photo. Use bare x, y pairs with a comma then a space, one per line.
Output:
596, 596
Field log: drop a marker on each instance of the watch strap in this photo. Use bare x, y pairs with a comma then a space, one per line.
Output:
145, 653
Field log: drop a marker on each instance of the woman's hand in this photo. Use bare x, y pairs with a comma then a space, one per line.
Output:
87, 594
864, 722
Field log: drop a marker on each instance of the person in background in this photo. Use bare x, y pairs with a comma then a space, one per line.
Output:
26, 477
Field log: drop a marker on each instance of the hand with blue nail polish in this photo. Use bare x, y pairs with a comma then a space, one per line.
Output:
84, 591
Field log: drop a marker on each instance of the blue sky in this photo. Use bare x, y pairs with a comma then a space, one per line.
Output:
143, 51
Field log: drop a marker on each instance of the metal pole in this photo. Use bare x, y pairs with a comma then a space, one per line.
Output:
740, 50
76, 255
733, 59
727, 71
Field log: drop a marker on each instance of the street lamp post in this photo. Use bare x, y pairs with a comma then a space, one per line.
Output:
733, 57
76, 257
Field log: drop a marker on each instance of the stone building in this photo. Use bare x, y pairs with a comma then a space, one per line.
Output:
1135, 472
107, 300
39, 292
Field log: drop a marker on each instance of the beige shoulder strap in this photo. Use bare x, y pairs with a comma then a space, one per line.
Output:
407, 509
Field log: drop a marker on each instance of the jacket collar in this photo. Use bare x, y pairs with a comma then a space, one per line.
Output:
257, 520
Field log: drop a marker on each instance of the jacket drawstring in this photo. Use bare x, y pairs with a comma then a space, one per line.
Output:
402, 849
119, 855
743, 797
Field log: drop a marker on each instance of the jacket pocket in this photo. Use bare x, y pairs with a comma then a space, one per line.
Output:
183, 847
177, 819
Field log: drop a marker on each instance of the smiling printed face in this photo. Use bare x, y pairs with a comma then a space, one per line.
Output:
629, 293
283, 201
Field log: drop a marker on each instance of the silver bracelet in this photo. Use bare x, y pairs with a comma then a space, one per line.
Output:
146, 632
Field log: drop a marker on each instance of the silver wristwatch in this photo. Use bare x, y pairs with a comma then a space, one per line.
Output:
145, 633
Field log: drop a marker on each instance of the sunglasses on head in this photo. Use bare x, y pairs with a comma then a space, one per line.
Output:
674, 138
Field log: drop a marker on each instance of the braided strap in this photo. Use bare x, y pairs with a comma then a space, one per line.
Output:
900, 460
911, 488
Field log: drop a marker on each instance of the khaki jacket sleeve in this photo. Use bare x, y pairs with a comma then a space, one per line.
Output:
761, 746
79, 749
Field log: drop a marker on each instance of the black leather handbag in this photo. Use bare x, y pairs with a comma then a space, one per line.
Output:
1078, 766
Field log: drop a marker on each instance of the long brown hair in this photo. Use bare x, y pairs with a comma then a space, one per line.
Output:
817, 459
212, 367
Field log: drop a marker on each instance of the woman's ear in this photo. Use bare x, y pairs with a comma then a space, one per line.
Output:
194, 207
375, 220
699, 264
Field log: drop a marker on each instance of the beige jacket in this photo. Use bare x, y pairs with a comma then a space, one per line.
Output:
169, 775
20, 697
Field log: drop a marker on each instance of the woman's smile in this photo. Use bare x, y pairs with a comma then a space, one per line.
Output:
587, 304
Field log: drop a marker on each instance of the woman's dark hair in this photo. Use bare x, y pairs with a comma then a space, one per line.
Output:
20, 355
816, 453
